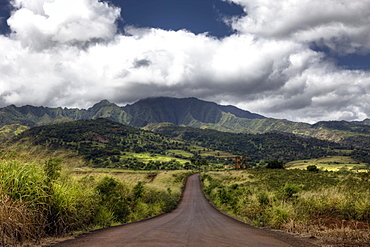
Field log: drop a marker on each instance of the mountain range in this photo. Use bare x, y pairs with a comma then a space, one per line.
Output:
185, 112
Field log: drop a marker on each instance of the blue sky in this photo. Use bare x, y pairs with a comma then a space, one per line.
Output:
302, 60
196, 16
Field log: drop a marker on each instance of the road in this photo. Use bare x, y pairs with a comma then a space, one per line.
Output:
194, 223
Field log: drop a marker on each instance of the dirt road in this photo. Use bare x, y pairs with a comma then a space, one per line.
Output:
194, 223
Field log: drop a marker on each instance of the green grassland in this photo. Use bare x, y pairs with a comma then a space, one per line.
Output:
49, 197
332, 207
87, 174
161, 180
207, 152
180, 153
330, 163
146, 157
9, 131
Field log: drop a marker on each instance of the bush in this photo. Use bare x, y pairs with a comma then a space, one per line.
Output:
113, 199
275, 164
290, 190
312, 168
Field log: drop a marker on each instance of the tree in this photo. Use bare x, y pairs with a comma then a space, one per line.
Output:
312, 168
275, 164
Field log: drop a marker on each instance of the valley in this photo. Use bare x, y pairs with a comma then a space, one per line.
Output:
64, 162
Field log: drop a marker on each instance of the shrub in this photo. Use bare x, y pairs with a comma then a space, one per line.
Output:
113, 198
263, 198
289, 190
275, 164
312, 168
278, 215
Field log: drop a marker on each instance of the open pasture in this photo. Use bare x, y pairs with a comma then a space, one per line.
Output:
146, 157
330, 163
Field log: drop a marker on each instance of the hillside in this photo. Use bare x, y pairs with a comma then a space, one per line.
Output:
189, 112
105, 143
9, 131
257, 147
32, 116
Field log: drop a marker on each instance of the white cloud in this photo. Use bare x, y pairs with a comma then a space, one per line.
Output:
68, 53
44, 24
343, 26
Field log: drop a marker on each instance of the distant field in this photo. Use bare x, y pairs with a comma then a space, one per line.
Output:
330, 163
146, 157
180, 153
204, 152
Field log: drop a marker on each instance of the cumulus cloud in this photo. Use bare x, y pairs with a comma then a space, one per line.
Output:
341, 25
69, 53
41, 24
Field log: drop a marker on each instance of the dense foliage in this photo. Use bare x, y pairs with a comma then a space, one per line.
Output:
104, 143
343, 125
257, 147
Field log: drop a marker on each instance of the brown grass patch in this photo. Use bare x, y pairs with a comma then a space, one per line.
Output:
18, 224
333, 232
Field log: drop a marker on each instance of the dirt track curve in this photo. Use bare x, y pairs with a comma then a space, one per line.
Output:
194, 223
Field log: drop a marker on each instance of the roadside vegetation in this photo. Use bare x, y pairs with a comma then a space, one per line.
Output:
39, 200
333, 207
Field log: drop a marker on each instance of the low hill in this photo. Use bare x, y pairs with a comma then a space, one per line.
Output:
102, 142
105, 143
257, 147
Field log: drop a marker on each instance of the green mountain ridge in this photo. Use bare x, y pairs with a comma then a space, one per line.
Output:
188, 112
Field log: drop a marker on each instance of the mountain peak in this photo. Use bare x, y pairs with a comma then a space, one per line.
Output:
104, 102
186, 111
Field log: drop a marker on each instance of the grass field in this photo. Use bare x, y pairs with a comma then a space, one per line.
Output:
333, 207
204, 152
331, 163
180, 153
42, 197
146, 157
154, 179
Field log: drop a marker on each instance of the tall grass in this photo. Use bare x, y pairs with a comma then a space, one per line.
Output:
297, 201
39, 200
